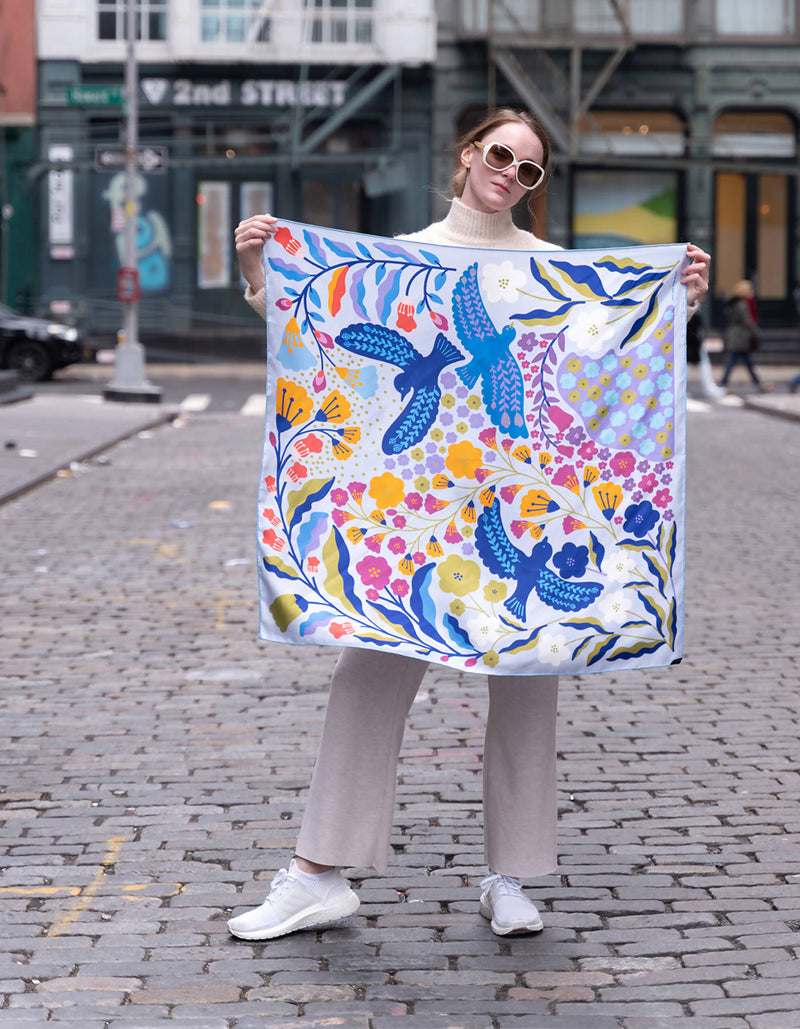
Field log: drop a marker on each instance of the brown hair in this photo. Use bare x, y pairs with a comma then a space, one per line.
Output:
494, 120
742, 289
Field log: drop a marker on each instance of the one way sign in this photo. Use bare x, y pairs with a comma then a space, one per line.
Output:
148, 158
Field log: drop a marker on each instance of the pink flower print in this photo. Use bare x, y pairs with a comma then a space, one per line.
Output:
297, 472
588, 450
287, 241
439, 320
357, 490
320, 382
419, 558
560, 418
566, 477
340, 517
623, 464
323, 339
519, 528
397, 545
271, 516
434, 504
374, 572
571, 524
662, 498
339, 497
312, 564
399, 521
507, 493
451, 533
272, 485
481, 474
272, 539
373, 542
284, 303
308, 444
489, 438
399, 587
414, 501
648, 482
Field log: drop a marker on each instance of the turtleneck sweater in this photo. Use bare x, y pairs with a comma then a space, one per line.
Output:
463, 227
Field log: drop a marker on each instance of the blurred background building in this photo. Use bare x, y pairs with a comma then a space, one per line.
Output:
670, 120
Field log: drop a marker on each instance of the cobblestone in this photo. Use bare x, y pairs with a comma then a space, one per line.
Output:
156, 760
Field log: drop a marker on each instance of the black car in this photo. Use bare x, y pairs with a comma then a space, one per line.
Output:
35, 347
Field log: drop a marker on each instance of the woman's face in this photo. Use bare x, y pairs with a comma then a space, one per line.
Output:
488, 190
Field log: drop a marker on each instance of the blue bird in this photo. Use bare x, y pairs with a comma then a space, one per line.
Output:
502, 558
502, 385
419, 376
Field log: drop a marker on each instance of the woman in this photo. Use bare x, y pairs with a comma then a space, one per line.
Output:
742, 335
348, 817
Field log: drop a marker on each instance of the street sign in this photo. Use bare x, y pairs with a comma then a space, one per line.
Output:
148, 158
128, 285
95, 96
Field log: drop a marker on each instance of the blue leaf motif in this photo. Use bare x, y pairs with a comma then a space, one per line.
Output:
394, 251
421, 602
457, 634
311, 532
582, 275
388, 291
431, 258
289, 271
312, 241
363, 250
308, 501
339, 248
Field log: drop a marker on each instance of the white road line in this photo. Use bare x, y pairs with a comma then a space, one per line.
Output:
195, 402
256, 404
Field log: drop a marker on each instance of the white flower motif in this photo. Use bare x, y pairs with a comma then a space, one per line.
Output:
619, 567
614, 607
589, 331
501, 282
553, 648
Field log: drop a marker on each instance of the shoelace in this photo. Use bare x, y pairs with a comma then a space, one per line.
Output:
506, 885
281, 879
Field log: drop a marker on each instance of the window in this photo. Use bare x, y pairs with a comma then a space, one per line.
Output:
340, 21
645, 132
645, 17
747, 134
234, 21
151, 19
745, 18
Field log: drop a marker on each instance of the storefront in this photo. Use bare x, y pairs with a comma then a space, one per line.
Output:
330, 146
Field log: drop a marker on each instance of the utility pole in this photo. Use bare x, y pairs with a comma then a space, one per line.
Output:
130, 382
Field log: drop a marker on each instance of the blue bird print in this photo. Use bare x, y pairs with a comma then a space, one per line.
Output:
419, 376
502, 386
503, 558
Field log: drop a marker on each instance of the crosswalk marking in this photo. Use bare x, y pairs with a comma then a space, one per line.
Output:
256, 404
195, 402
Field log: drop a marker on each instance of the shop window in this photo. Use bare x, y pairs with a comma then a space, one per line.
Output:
752, 233
751, 134
643, 133
151, 19
341, 21
624, 208
234, 21
645, 17
745, 18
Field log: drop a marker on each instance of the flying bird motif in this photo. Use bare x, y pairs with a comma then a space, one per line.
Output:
503, 558
419, 376
502, 385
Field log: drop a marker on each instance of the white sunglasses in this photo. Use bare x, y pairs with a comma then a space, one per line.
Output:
499, 157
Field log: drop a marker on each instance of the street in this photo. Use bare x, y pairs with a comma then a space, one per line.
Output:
156, 757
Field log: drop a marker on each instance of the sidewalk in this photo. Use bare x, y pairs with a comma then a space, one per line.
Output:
156, 758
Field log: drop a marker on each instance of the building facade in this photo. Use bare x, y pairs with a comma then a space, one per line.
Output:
670, 119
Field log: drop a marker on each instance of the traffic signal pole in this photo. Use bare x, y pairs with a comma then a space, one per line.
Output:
130, 382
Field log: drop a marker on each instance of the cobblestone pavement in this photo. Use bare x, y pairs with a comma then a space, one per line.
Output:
155, 757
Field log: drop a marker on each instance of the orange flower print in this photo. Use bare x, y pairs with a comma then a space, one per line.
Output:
463, 460
387, 490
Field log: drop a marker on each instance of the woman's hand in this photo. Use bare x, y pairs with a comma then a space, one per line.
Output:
695, 274
251, 235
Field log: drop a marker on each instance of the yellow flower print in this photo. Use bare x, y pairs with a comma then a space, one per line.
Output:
341, 450
495, 591
352, 435
574, 364
291, 335
422, 484
459, 576
608, 496
473, 402
463, 460
436, 435
335, 408
457, 608
387, 490
292, 403
434, 548
448, 400
490, 658
417, 454
537, 503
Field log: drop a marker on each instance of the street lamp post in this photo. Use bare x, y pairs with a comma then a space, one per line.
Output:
130, 382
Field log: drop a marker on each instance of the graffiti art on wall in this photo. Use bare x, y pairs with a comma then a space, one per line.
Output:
153, 240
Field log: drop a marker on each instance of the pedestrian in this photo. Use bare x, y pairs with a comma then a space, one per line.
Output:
350, 808
697, 354
742, 336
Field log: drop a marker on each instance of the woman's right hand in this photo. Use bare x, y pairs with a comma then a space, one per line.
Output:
251, 235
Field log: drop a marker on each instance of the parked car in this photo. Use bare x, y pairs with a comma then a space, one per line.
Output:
35, 347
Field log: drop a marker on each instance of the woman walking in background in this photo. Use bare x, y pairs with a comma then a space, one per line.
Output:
742, 336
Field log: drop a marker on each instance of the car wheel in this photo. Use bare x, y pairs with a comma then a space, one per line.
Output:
30, 360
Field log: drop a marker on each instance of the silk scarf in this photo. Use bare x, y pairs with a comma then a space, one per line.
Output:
474, 457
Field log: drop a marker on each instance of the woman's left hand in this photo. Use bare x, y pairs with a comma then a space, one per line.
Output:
695, 274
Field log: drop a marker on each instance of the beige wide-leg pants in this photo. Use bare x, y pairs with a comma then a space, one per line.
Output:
348, 819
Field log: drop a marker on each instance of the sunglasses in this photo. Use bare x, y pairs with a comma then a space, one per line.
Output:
498, 157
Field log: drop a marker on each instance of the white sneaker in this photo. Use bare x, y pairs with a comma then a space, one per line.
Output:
510, 911
291, 906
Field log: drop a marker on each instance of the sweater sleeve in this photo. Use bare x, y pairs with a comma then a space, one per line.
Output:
258, 301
